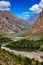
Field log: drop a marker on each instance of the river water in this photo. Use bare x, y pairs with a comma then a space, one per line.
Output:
31, 55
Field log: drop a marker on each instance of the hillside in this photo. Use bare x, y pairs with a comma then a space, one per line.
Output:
6, 58
10, 23
37, 27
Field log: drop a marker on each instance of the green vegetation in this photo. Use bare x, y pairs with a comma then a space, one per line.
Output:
7, 58
4, 40
41, 49
23, 45
26, 45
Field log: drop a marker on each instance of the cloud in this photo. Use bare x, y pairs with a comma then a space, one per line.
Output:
4, 5
25, 13
41, 4
37, 7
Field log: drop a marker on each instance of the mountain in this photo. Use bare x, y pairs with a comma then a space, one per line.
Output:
37, 27
10, 23
33, 19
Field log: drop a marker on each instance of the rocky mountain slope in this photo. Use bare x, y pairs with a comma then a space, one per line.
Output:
37, 27
10, 23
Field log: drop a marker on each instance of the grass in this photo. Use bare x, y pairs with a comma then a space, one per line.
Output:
7, 58
4, 40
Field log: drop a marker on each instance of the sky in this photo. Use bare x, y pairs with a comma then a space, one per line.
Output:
22, 8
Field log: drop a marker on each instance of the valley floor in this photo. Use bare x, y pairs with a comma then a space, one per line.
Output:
9, 56
36, 55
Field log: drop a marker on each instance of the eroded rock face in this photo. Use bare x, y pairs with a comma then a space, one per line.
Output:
37, 27
10, 23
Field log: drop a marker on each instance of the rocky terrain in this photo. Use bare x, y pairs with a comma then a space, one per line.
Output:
10, 23
37, 27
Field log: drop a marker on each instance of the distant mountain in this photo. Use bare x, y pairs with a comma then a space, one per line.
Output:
33, 19
10, 23
37, 27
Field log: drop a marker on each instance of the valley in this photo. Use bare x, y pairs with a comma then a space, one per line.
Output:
20, 43
15, 48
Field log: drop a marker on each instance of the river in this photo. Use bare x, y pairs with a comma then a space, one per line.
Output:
31, 55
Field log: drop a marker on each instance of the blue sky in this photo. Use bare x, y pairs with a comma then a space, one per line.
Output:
22, 7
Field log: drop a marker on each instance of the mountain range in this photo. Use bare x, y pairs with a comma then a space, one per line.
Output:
33, 19
10, 23
37, 27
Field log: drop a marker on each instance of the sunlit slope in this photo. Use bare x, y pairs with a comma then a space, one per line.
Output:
7, 59
37, 27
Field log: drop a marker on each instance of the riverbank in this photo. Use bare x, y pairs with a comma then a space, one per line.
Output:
35, 55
